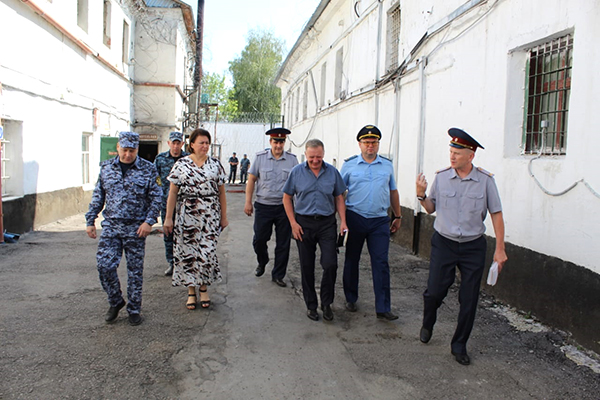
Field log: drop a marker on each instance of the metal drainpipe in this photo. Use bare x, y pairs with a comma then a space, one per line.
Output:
378, 63
420, 153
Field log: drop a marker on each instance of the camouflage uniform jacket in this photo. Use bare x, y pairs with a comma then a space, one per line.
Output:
164, 163
128, 201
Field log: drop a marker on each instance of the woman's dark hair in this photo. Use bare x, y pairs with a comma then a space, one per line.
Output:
198, 132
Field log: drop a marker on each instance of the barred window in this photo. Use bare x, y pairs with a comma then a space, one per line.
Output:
547, 90
393, 38
86, 139
4, 161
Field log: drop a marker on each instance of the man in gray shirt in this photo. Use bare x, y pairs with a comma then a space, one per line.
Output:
268, 174
461, 195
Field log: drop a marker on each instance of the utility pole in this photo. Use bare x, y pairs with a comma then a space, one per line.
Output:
198, 71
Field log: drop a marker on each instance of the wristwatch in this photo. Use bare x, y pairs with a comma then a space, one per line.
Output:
422, 198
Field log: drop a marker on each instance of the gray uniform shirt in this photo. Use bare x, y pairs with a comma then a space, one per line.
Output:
272, 174
461, 205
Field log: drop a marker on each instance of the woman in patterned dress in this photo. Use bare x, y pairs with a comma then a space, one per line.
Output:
198, 202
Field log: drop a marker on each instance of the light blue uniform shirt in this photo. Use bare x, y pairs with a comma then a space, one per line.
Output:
314, 195
369, 185
461, 205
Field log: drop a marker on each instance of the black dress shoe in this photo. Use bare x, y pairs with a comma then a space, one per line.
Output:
169, 271
327, 313
351, 306
462, 358
260, 270
312, 314
425, 335
135, 319
113, 312
280, 282
387, 315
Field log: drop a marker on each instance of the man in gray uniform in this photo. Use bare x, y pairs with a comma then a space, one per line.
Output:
461, 195
127, 189
164, 163
268, 174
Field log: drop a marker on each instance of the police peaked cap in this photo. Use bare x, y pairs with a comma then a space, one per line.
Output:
369, 131
462, 140
278, 133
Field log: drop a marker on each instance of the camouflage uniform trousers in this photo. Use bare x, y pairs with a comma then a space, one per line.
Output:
110, 251
168, 239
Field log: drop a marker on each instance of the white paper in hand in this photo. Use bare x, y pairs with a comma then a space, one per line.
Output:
493, 275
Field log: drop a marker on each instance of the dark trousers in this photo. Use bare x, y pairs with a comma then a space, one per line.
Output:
265, 216
323, 232
243, 175
446, 255
376, 231
168, 239
232, 174
110, 251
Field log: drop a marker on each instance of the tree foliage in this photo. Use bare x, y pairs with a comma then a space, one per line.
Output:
214, 86
254, 70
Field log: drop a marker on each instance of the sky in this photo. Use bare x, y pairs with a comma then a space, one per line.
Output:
227, 22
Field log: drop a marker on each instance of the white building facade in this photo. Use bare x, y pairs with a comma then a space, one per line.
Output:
519, 76
68, 80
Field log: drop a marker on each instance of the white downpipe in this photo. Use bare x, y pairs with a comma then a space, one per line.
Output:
421, 138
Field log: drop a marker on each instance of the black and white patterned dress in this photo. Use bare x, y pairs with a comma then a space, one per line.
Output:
196, 222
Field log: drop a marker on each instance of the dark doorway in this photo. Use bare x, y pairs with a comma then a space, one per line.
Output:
148, 150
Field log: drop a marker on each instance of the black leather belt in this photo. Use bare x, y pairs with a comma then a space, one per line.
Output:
315, 217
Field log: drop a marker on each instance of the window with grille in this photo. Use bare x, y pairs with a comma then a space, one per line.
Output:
305, 101
393, 38
82, 14
86, 139
4, 160
106, 26
547, 90
323, 84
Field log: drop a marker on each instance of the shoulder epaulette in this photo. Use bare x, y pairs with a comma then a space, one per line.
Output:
106, 162
483, 171
260, 153
291, 154
385, 158
351, 158
443, 169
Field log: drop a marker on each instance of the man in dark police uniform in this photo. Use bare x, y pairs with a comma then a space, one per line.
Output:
268, 174
461, 195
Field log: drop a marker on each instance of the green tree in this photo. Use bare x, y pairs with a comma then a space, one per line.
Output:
214, 86
254, 70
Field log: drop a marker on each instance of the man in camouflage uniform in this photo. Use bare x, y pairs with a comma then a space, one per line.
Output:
127, 188
164, 162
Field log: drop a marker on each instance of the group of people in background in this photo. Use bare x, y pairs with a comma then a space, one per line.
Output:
300, 200
244, 164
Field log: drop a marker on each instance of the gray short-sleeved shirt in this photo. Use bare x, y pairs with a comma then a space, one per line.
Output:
461, 205
272, 174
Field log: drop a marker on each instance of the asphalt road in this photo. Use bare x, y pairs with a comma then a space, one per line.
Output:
256, 341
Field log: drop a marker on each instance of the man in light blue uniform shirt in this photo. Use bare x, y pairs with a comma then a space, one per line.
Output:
371, 191
311, 195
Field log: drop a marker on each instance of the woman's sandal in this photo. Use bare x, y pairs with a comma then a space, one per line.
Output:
204, 303
192, 305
